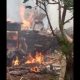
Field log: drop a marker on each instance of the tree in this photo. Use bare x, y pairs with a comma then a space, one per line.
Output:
66, 42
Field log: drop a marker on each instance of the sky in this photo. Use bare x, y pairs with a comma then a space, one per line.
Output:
53, 15
52, 12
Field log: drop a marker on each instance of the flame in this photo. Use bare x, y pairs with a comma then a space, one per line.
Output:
35, 69
27, 23
39, 58
16, 61
30, 59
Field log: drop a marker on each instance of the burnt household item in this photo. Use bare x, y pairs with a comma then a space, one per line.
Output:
13, 30
13, 26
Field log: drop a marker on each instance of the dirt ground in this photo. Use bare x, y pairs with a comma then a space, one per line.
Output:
32, 76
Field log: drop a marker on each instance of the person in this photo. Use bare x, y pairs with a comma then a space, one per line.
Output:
16, 13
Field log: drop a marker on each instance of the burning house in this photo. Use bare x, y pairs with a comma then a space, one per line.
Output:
31, 53
34, 57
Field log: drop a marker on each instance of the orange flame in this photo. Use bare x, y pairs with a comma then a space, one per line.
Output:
27, 23
30, 59
39, 58
35, 69
16, 61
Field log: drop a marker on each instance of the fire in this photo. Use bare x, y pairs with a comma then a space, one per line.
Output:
30, 59
39, 58
35, 69
16, 61
27, 23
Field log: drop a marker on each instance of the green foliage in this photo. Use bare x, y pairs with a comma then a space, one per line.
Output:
68, 4
64, 46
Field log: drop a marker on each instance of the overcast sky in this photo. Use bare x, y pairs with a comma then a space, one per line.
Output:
53, 15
